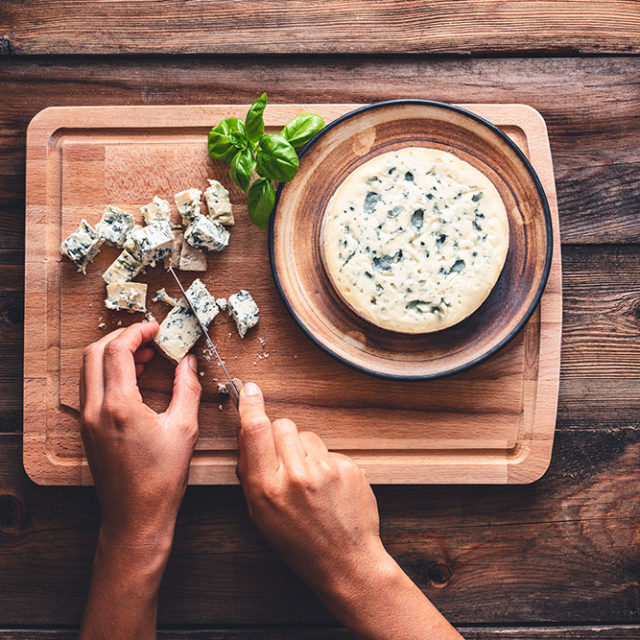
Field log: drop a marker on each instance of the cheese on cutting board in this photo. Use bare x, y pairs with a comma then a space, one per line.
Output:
158, 210
206, 234
188, 203
115, 225
415, 239
82, 246
153, 243
218, 203
180, 330
192, 259
124, 268
244, 311
127, 296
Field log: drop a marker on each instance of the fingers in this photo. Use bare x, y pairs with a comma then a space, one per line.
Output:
256, 446
91, 373
119, 369
185, 401
314, 445
289, 447
144, 355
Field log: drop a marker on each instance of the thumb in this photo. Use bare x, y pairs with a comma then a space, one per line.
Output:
185, 401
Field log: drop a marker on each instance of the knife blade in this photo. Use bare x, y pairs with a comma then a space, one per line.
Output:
233, 389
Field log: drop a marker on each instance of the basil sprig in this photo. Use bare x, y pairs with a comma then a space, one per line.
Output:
247, 149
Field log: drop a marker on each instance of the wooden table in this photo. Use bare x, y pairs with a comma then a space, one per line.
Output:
557, 559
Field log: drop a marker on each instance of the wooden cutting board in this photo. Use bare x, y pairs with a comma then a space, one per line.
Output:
492, 424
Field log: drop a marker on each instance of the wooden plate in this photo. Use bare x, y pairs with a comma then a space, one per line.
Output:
295, 234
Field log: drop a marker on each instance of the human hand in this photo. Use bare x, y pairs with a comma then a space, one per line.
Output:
139, 458
318, 511
140, 463
315, 507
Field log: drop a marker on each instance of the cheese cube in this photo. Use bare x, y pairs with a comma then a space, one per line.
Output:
192, 259
218, 203
188, 203
157, 210
128, 296
180, 330
244, 311
124, 268
153, 242
206, 234
82, 246
114, 225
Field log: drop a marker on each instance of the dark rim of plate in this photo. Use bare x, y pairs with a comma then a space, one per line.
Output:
547, 264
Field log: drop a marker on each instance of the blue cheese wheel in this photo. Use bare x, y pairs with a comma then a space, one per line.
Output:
415, 239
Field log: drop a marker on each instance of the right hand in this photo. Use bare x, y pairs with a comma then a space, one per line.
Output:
314, 507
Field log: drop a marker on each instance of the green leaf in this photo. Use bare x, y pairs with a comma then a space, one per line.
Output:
242, 167
277, 159
260, 201
255, 122
225, 138
302, 128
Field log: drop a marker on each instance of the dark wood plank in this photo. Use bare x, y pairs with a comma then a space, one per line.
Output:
11, 341
594, 129
442, 26
613, 632
564, 550
600, 365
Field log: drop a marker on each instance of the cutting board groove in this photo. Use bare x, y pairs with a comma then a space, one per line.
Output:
492, 424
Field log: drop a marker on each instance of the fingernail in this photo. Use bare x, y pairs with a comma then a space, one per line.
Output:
251, 389
193, 363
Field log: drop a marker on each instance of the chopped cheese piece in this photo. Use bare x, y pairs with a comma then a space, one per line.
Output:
222, 303
206, 234
124, 268
180, 330
192, 259
218, 203
188, 203
82, 246
153, 242
163, 296
114, 226
173, 260
157, 210
129, 244
128, 296
244, 311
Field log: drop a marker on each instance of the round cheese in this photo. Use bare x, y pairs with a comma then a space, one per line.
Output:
415, 239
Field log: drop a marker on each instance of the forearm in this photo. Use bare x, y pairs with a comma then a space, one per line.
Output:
123, 595
378, 601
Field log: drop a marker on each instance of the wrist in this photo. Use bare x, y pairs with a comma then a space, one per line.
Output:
142, 556
366, 575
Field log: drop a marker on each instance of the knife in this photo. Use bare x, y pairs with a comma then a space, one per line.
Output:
233, 389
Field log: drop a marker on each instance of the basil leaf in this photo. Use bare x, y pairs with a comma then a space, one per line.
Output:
260, 201
224, 138
302, 128
255, 122
276, 158
242, 167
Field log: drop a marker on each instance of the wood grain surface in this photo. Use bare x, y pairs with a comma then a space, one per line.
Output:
613, 632
528, 561
331, 26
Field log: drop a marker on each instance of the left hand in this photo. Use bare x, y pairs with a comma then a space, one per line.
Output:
139, 458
